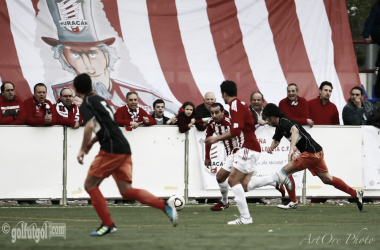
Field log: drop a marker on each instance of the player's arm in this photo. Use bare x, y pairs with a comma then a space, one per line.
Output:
214, 139
273, 146
88, 129
293, 140
209, 133
91, 143
207, 157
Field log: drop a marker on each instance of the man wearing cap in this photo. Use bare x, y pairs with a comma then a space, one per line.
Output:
68, 111
12, 108
79, 50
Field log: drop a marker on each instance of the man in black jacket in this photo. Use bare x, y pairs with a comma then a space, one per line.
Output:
158, 113
203, 110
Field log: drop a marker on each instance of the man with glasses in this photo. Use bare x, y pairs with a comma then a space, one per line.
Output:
12, 108
67, 110
357, 111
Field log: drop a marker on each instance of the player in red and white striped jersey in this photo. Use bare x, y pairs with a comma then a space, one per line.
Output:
219, 125
247, 151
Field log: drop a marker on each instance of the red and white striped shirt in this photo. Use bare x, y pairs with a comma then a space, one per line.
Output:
219, 129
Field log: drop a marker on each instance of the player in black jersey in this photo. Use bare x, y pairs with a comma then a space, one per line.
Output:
311, 155
114, 158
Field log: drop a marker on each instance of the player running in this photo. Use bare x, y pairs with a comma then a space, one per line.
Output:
247, 150
221, 124
113, 159
311, 157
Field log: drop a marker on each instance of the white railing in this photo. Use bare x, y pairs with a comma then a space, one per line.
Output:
40, 163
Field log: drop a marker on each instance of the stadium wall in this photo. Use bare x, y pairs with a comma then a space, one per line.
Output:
32, 163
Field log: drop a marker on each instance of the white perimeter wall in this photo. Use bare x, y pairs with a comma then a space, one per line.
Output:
31, 163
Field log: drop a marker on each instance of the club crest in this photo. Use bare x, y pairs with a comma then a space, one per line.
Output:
71, 15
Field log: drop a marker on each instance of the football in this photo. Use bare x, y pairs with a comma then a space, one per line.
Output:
179, 201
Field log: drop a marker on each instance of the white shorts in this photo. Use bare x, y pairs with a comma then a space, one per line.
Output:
244, 160
228, 163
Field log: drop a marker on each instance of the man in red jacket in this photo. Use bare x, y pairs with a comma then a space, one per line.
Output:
321, 110
39, 111
295, 107
12, 108
131, 115
68, 111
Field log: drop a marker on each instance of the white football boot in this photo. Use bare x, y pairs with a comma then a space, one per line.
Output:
241, 221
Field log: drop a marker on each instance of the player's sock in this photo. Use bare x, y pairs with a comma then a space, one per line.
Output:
341, 185
256, 182
224, 191
100, 205
240, 200
291, 193
145, 197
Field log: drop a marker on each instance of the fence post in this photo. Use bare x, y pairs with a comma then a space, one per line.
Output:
186, 177
303, 198
64, 191
370, 63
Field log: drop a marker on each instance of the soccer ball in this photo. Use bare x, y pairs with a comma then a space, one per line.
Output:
179, 202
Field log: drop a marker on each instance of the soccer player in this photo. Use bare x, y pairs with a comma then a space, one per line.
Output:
311, 157
247, 150
220, 124
113, 159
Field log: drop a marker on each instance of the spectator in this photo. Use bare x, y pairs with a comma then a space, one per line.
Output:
39, 111
158, 113
321, 110
187, 118
12, 108
203, 110
256, 107
374, 120
131, 116
295, 107
372, 33
68, 111
372, 28
357, 111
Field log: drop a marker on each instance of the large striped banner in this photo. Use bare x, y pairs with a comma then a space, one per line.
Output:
178, 49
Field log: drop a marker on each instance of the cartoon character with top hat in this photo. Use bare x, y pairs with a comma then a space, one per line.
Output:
79, 51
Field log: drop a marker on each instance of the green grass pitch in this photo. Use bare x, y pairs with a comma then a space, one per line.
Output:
317, 226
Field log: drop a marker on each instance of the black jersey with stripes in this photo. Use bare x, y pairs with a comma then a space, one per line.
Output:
110, 137
304, 143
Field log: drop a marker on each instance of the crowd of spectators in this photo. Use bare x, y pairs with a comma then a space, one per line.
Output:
38, 111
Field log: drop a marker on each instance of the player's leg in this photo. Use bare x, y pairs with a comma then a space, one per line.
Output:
221, 178
123, 178
326, 178
293, 203
280, 177
91, 185
279, 187
320, 169
140, 195
235, 180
